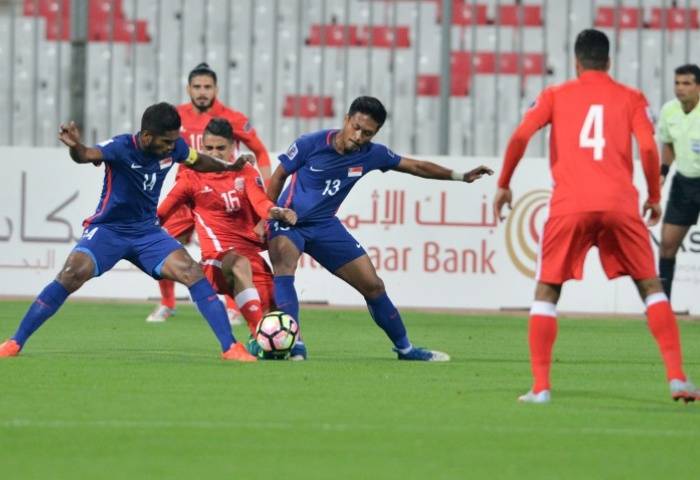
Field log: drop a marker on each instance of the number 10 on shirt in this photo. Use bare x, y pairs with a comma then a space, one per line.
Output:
591, 134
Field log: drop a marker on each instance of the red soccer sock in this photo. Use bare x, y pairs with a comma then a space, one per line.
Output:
231, 303
251, 308
662, 323
542, 334
167, 293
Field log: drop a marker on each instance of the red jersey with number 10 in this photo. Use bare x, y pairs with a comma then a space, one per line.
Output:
593, 119
226, 208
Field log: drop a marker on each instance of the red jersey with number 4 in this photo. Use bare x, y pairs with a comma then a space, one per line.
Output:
226, 207
593, 119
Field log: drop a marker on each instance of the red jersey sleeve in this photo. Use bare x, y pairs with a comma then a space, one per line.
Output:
537, 116
180, 194
243, 130
643, 130
256, 192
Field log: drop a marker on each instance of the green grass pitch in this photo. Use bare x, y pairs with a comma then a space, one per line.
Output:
98, 393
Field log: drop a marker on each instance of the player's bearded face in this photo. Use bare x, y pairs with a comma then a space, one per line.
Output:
357, 131
160, 145
202, 91
219, 147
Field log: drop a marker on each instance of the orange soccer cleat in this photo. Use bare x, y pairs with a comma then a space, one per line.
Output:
238, 353
9, 348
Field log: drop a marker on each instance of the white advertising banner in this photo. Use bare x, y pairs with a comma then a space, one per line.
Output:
435, 244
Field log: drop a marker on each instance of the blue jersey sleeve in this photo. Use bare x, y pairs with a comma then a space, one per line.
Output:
383, 158
111, 149
295, 156
181, 151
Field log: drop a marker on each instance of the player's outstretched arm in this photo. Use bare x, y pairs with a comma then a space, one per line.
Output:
201, 162
70, 136
425, 169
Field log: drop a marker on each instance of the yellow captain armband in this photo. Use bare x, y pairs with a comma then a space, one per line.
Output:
192, 157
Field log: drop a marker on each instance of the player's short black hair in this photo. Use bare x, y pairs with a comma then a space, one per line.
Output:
369, 106
592, 49
219, 127
160, 118
201, 69
689, 69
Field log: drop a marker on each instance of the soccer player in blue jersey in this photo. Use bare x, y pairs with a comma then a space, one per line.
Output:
324, 167
125, 225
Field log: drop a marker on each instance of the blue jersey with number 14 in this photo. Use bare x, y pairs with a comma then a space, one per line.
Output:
132, 183
322, 177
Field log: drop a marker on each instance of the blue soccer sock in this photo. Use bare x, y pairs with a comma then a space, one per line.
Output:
213, 311
286, 296
388, 318
46, 304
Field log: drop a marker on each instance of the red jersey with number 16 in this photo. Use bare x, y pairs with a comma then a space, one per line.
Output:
593, 119
226, 208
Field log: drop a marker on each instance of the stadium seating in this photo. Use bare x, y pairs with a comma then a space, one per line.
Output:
295, 65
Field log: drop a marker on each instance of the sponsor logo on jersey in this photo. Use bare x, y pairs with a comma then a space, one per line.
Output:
166, 162
206, 189
239, 184
355, 171
135, 165
292, 151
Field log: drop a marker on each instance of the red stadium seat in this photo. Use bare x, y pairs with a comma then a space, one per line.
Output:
510, 15
676, 18
378, 36
100, 20
464, 13
429, 85
509, 63
627, 17
308, 106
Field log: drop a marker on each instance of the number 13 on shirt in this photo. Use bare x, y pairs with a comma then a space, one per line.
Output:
591, 134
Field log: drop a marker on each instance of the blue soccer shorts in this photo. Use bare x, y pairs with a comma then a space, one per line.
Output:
328, 242
146, 249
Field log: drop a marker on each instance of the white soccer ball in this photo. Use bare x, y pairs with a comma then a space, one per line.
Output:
276, 333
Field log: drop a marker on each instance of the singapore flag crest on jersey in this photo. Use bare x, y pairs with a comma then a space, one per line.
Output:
355, 171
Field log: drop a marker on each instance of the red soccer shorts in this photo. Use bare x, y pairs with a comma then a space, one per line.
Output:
262, 275
181, 222
622, 240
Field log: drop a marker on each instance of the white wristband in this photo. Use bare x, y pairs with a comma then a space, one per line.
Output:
455, 175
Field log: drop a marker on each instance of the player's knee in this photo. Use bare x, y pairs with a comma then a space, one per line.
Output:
374, 288
648, 287
190, 273
73, 276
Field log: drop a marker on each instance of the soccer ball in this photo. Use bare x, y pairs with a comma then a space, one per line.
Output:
276, 333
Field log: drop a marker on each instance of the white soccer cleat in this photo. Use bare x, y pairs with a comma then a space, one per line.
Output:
234, 316
683, 390
160, 314
540, 397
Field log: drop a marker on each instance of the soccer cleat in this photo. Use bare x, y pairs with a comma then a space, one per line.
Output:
298, 352
238, 353
9, 348
160, 314
683, 390
540, 397
423, 355
234, 317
